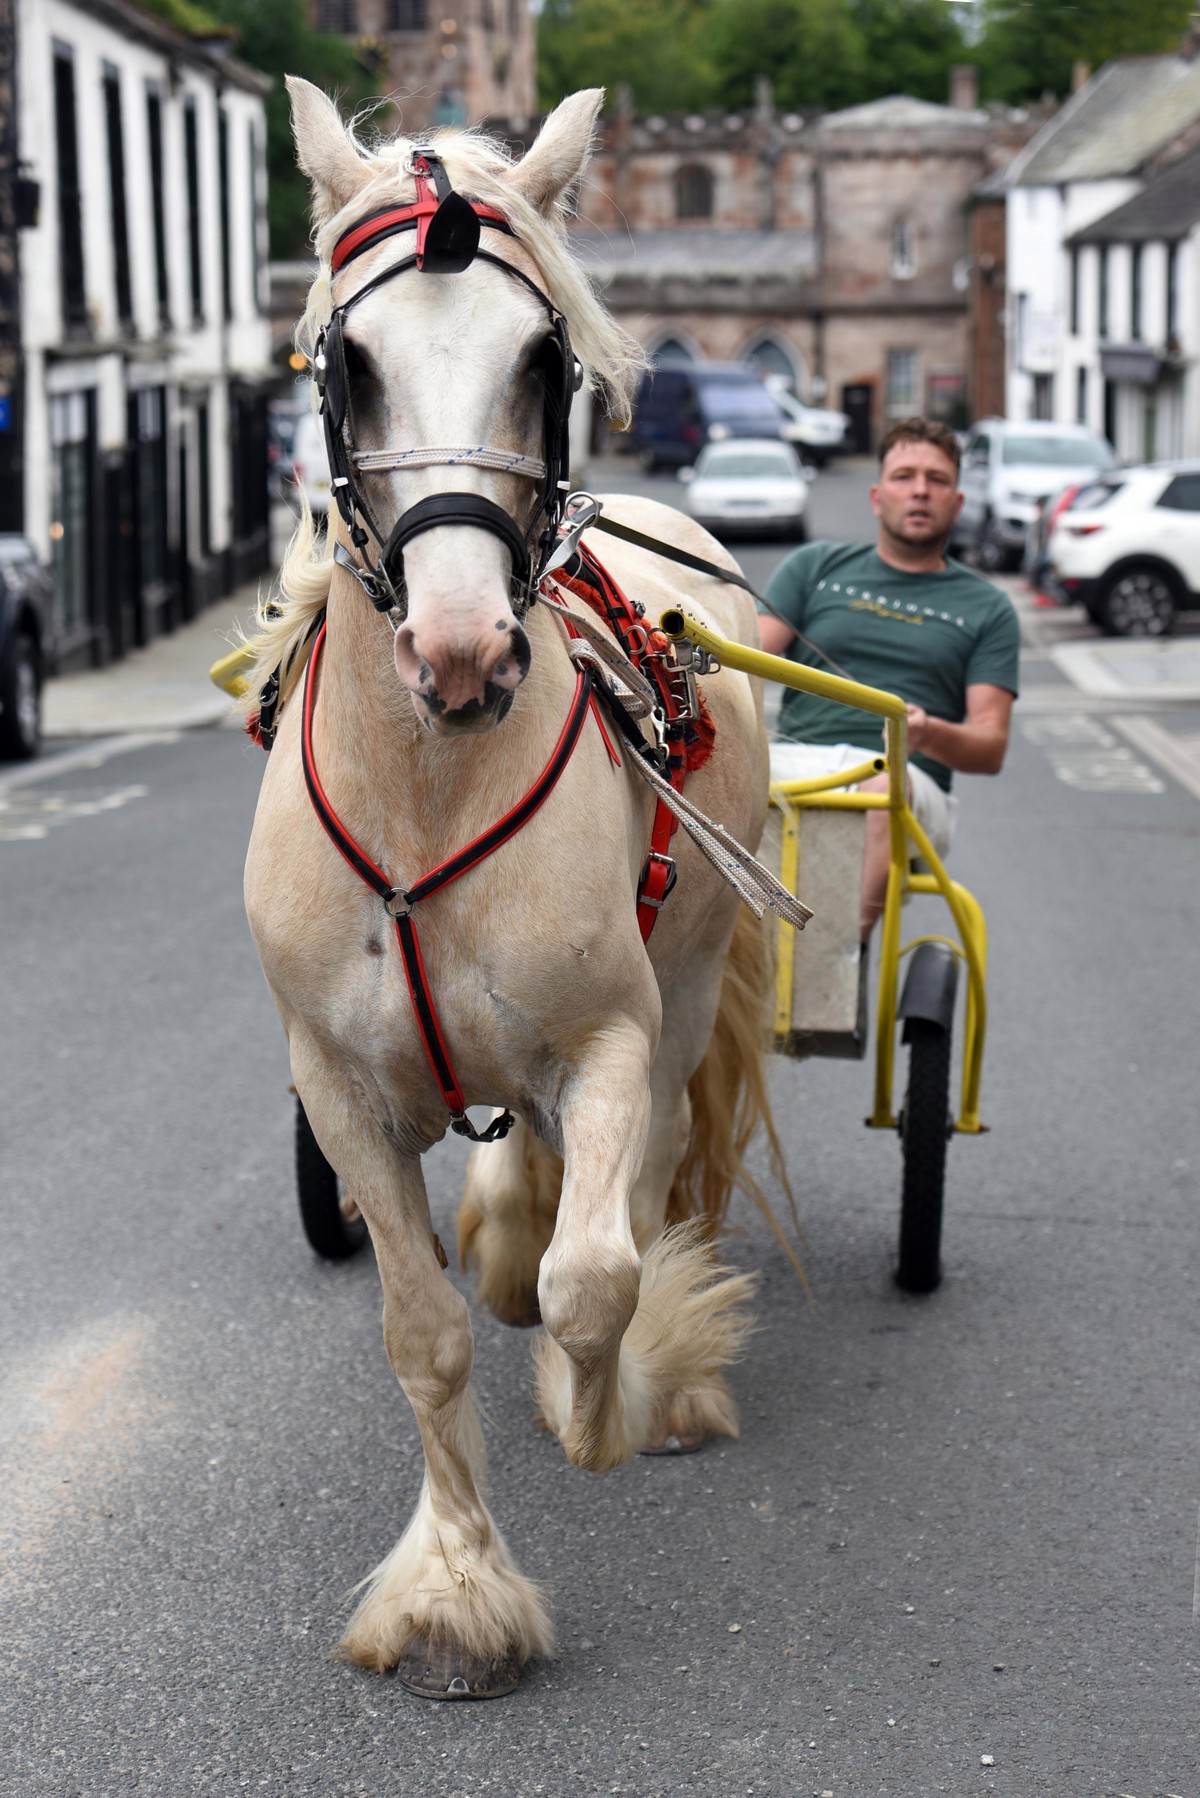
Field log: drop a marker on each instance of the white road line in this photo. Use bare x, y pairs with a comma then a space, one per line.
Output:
1178, 756
93, 756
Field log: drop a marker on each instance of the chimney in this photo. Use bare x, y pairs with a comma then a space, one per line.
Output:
1081, 74
964, 87
1191, 39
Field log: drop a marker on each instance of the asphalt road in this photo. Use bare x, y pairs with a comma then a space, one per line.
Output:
954, 1528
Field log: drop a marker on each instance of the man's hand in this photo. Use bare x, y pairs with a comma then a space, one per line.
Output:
974, 747
918, 727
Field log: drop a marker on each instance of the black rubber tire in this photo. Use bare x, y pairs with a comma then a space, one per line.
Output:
329, 1231
993, 556
925, 1126
21, 701
1136, 601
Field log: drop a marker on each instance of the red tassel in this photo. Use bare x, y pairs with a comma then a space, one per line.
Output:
254, 730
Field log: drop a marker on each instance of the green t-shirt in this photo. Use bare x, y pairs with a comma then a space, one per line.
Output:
925, 637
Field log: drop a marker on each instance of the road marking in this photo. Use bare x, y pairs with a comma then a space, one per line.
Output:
94, 755
1180, 756
27, 818
1086, 756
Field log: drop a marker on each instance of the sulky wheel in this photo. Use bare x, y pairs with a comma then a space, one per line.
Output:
332, 1224
925, 1128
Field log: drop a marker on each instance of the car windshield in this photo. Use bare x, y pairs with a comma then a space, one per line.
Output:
746, 465
738, 399
1057, 452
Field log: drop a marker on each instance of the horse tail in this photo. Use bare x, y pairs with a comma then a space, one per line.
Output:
506, 1219
729, 1097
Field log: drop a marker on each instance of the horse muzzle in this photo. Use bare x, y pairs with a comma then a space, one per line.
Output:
465, 687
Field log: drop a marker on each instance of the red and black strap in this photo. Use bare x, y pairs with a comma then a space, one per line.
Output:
399, 904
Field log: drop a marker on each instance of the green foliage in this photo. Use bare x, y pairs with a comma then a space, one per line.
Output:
275, 36
654, 47
1029, 47
909, 46
812, 50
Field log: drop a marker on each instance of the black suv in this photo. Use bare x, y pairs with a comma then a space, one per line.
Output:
25, 590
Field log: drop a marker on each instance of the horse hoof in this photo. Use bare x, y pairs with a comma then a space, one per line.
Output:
431, 1670
676, 1442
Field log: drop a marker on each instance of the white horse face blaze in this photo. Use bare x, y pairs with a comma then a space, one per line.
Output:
448, 360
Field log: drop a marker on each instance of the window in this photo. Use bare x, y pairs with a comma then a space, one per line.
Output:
116, 186
1135, 292
901, 383
223, 199
671, 350
154, 132
904, 250
1102, 283
408, 15
1081, 396
1043, 396
336, 16
70, 200
148, 442
514, 17
1172, 293
770, 358
693, 191
191, 148
1074, 293
1182, 494
489, 15
71, 438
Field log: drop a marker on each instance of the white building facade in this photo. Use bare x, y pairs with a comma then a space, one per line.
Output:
143, 319
1102, 324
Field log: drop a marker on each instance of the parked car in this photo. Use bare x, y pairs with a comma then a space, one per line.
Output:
283, 416
681, 406
752, 486
1128, 548
816, 432
1008, 469
26, 587
310, 464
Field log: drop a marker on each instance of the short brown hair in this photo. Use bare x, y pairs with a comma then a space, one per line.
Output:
921, 430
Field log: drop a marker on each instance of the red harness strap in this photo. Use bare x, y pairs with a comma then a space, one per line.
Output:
399, 904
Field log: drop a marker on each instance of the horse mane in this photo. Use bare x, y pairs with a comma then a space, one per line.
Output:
477, 165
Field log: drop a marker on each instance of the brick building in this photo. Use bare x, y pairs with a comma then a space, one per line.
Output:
443, 62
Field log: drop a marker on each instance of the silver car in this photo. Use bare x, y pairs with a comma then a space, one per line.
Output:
752, 486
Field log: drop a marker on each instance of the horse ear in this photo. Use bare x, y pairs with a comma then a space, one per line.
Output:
561, 152
324, 149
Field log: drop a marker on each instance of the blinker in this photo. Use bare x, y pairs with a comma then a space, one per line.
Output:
447, 238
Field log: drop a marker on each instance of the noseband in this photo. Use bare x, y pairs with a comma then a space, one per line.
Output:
448, 228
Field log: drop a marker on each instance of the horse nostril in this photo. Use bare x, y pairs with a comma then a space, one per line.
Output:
521, 650
503, 707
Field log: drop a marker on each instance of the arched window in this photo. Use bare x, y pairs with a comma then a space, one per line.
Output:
693, 191
671, 350
904, 250
772, 359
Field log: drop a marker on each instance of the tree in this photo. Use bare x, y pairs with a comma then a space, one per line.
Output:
653, 47
909, 46
275, 36
811, 49
1029, 47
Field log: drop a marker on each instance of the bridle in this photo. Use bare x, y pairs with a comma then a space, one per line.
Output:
448, 228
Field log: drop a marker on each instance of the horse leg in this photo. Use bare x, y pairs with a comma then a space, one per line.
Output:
624, 1339
447, 1605
506, 1220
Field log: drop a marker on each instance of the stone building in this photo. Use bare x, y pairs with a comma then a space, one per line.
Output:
443, 62
833, 249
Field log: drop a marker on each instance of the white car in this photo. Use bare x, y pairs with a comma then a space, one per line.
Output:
751, 485
310, 464
1008, 470
1128, 548
816, 432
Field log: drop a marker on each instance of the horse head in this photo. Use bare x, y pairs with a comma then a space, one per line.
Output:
446, 373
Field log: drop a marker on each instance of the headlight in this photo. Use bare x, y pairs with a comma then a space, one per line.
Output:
717, 433
1025, 499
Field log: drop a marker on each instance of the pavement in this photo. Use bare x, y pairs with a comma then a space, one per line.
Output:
163, 687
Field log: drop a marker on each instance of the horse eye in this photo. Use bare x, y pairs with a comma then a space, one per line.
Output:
357, 369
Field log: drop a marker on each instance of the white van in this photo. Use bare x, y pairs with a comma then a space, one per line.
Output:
310, 465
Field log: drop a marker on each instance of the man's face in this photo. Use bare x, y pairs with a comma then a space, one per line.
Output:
916, 498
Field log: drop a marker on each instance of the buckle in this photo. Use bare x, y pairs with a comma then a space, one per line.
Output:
672, 873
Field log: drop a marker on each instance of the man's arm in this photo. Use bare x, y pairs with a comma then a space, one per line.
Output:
978, 745
774, 634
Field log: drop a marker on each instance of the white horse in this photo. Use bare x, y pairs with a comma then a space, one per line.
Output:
633, 1070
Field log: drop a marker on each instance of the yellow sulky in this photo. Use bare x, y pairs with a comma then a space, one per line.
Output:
908, 841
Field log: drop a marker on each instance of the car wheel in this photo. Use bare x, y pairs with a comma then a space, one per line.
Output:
21, 701
992, 554
1136, 602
